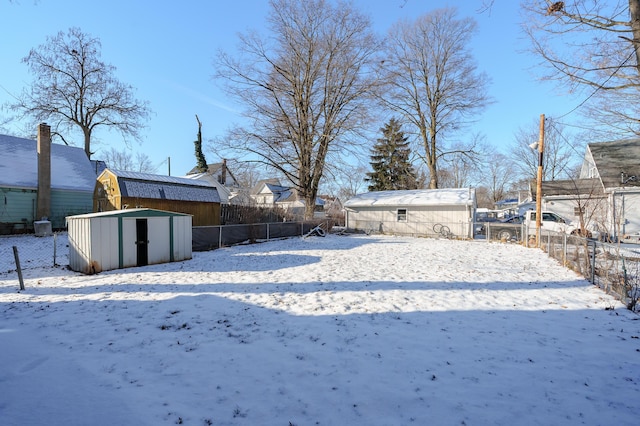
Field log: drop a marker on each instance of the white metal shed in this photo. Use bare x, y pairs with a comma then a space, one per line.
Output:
124, 238
419, 212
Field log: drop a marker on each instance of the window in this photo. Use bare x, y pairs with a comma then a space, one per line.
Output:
577, 211
402, 215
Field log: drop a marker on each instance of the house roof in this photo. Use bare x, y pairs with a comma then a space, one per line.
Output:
146, 185
572, 187
215, 169
415, 197
70, 167
613, 158
264, 182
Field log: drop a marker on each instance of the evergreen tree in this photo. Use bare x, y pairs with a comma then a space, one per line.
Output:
392, 169
202, 162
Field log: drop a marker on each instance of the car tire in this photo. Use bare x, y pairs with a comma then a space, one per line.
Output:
504, 235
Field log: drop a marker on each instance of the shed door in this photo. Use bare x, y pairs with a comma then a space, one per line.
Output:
142, 242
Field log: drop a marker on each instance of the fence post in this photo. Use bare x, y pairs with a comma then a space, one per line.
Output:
268, 232
17, 258
593, 264
55, 246
220, 237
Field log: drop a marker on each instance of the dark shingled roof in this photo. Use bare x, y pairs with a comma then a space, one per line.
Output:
572, 187
613, 158
145, 185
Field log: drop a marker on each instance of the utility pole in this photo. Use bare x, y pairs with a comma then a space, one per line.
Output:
539, 181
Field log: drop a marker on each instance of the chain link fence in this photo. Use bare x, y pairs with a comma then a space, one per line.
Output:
213, 237
33, 252
615, 268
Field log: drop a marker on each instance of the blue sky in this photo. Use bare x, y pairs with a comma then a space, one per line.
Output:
165, 50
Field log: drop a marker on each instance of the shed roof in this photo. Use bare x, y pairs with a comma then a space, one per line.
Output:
416, 197
143, 212
70, 167
146, 185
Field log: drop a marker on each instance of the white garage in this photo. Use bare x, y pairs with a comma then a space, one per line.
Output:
420, 212
126, 238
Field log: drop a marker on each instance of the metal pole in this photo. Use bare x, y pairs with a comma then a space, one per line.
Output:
17, 258
539, 181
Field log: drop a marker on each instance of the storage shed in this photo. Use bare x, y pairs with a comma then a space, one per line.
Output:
125, 238
420, 212
118, 189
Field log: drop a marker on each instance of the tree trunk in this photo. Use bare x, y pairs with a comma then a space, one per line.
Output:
87, 143
634, 14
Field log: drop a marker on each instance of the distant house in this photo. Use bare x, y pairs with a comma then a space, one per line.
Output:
420, 212
270, 193
606, 196
333, 208
117, 190
57, 183
219, 175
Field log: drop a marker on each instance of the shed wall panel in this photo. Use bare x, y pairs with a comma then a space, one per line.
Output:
79, 249
129, 253
159, 239
182, 238
105, 242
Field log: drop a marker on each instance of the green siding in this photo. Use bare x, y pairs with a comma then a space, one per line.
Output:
17, 206
68, 203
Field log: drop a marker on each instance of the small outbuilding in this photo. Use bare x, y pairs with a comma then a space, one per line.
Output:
125, 238
119, 189
420, 212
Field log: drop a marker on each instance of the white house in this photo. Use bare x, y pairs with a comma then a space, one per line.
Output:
420, 212
219, 176
606, 197
270, 193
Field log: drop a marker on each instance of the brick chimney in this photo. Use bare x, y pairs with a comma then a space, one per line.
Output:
223, 172
43, 202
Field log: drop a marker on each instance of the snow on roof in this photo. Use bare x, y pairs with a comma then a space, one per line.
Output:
70, 167
416, 197
138, 212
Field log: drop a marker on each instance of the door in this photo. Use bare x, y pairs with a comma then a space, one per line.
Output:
142, 242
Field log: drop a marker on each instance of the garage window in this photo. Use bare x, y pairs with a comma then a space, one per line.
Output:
402, 215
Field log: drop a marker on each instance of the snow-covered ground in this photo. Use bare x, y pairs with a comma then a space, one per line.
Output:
342, 330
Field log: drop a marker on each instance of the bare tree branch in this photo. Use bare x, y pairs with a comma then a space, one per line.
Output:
432, 80
74, 89
304, 88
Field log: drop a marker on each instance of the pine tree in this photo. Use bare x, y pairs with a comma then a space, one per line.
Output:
392, 169
202, 162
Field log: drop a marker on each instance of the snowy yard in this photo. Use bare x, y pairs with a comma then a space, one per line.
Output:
342, 330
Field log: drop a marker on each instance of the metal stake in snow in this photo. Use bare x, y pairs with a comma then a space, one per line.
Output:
17, 258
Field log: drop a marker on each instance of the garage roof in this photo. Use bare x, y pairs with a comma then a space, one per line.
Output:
416, 197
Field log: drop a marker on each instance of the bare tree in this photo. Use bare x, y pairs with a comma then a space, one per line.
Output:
74, 89
303, 87
561, 153
592, 45
497, 175
124, 160
433, 81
